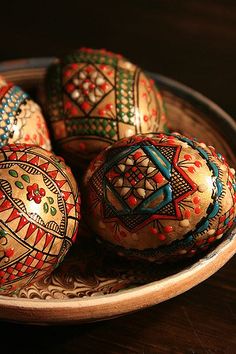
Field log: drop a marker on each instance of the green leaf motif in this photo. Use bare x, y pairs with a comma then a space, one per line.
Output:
53, 211
3, 233
13, 173
19, 185
50, 200
45, 207
26, 178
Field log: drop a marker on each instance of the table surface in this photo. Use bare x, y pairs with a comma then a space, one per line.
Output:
193, 42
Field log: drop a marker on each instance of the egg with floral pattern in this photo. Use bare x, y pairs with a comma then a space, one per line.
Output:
39, 214
21, 119
159, 197
96, 97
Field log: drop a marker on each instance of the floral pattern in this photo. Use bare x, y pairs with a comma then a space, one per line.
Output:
35, 193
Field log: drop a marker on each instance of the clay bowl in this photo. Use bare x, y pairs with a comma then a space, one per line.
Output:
90, 285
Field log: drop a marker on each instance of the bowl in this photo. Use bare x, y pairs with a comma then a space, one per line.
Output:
90, 285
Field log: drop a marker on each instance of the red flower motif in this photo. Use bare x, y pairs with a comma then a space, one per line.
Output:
35, 193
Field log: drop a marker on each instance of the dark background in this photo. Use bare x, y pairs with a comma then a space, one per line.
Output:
193, 42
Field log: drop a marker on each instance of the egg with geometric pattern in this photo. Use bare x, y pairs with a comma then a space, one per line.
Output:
96, 97
21, 119
159, 197
39, 214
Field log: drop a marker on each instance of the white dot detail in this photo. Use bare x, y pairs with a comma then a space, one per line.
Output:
202, 188
184, 223
203, 145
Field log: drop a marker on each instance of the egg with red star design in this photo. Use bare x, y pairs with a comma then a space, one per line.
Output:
159, 197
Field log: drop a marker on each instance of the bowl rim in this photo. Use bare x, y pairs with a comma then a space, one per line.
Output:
51, 311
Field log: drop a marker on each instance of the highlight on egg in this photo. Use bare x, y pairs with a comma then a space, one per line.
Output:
21, 119
159, 197
39, 214
96, 97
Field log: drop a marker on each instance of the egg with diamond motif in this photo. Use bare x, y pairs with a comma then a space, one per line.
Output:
39, 214
94, 98
21, 119
159, 197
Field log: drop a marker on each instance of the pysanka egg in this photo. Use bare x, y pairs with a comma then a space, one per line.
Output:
159, 197
39, 214
94, 98
21, 119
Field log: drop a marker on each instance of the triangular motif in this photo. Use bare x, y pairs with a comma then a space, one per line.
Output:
39, 236
61, 183
13, 156
5, 205
34, 160
30, 230
44, 166
23, 221
14, 215
49, 238
53, 174
23, 157
66, 195
69, 207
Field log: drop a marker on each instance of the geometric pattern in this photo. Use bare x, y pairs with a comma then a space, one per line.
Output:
84, 87
160, 197
21, 119
106, 129
11, 98
140, 185
125, 96
100, 96
87, 87
226, 221
37, 226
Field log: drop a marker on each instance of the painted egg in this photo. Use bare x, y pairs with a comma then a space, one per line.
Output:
39, 214
94, 98
159, 197
21, 119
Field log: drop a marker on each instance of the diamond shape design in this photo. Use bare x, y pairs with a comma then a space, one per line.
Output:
140, 184
87, 87
135, 178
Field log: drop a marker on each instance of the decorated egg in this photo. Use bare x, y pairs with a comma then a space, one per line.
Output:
21, 119
159, 197
39, 214
94, 98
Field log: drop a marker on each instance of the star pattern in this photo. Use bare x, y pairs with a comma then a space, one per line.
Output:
140, 185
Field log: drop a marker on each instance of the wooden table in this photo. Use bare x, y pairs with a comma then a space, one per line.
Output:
195, 43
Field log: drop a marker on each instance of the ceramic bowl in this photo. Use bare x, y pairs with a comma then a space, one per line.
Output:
90, 285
